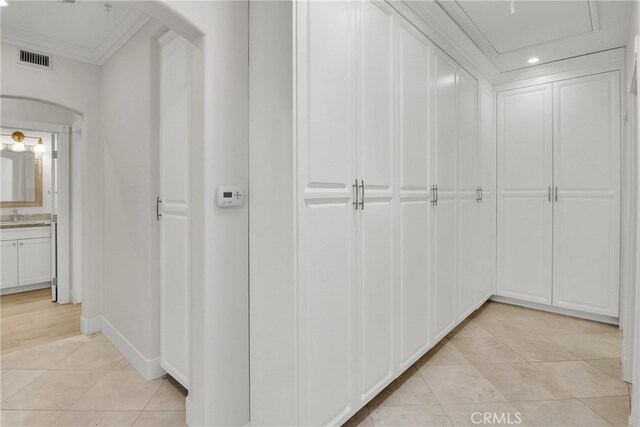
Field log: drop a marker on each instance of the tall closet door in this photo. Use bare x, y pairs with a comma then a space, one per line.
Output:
524, 194
467, 195
326, 216
587, 179
414, 210
486, 244
375, 298
174, 205
444, 213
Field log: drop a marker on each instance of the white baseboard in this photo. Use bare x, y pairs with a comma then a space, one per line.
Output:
148, 368
189, 412
90, 325
557, 310
63, 298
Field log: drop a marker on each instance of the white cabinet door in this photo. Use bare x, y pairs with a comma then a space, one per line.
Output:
414, 171
375, 296
34, 261
326, 216
9, 264
486, 244
524, 201
444, 213
175, 190
467, 195
587, 180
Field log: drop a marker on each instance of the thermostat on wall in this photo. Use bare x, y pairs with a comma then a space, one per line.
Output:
229, 196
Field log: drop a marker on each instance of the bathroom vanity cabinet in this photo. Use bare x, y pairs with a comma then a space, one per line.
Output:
25, 256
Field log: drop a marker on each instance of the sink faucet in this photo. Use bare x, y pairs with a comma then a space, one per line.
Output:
15, 215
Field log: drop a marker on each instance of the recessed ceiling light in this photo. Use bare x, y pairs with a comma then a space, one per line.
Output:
533, 60
4, 3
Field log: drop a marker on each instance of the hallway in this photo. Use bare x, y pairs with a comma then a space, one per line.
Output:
514, 364
511, 362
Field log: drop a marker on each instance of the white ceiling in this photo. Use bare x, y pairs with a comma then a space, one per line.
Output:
549, 30
83, 30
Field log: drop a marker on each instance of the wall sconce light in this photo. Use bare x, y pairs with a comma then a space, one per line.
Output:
39, 148
19, 146
18, 137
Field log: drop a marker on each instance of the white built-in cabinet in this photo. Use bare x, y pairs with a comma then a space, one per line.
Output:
25, 256
370, 191
559, 194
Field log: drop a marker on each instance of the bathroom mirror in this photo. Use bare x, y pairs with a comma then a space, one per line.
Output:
20, 179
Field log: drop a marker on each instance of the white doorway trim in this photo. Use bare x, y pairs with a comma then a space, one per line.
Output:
634, 419
74, 231
60, 208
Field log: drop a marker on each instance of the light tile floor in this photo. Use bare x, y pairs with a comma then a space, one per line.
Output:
540, 368
83, 381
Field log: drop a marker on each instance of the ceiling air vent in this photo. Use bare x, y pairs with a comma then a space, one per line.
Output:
33, 58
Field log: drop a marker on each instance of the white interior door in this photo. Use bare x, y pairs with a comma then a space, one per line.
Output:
587, 193
525, 210
444, 212
467, 194
486, 244
326, 214
375, 148
174, 205
414, 196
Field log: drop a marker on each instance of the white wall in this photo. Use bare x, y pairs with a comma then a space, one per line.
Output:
271, 162
130, 126
73, 85
219, 388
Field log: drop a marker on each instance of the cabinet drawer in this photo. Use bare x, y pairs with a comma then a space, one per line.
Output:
25, 233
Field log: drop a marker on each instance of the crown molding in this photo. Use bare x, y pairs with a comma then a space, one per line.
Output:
437, 25
127, 24
608, 59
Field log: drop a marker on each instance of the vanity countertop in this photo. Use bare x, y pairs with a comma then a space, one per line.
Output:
25, 224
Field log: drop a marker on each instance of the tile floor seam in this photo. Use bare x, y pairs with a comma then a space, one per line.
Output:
87, 391
154, 394
71, 354
4, 398
426, 383
601, 370
447, 415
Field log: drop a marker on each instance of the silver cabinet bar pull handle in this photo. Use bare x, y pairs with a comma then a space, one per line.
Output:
549, 193
158, 214
556, 194
435, 188
355, 190
362, 201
